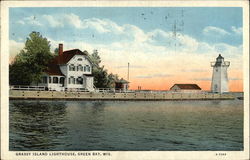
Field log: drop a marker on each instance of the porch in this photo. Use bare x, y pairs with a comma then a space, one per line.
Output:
53, 83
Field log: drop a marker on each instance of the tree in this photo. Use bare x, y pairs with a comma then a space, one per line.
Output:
20, 74
101, 77
56, 51
95, 58
29, 64
112, 78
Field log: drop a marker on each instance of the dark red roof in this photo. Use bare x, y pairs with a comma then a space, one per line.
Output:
121, 81
67, 55
187, 86
53, 66
54, 69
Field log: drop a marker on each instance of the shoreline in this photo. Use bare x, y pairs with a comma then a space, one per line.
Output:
137, 96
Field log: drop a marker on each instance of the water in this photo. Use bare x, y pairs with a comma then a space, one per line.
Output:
126, 125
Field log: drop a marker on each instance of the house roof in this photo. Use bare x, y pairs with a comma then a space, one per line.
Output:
187, 86
67, 55
53, 69
121, 81
53, 66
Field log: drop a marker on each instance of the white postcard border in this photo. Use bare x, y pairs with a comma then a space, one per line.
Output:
121, 155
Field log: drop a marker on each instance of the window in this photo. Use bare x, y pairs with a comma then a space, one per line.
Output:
55, 79
79, 59
71, 80
62, 80
215, 87
87, 68
44, 80
79, 80
49, 79
71, 67
79, 68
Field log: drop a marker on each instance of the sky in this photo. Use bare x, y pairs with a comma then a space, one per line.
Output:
163, 45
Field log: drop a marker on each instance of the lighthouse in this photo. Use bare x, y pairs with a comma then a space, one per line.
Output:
220, 78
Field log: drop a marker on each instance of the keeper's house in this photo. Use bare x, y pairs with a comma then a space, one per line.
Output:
185, 88
70, 70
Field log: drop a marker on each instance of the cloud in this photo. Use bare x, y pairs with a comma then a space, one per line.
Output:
194, 70
72, 19
235, 79
53, 22
15, 48
130, 43
146, 51
32, 20
153, 76
131, 66
143, 76
20, 39
99, 25
214, 31
210, 79
236, 30
21, 22
227, 49
168, 39
130, 36
67, 45
201, 79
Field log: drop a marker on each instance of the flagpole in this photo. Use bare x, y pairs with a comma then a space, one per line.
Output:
128, 72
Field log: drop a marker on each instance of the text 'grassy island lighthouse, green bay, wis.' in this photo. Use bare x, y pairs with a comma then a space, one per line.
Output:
220, 78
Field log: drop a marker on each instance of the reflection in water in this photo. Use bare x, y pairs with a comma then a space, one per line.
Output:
126, 125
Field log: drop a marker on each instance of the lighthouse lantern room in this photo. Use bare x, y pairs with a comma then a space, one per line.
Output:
220, 78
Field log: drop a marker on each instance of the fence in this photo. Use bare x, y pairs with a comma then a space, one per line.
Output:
113, 90
76, 90
28, 88
98, 90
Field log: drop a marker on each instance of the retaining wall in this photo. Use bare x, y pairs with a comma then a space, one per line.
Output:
18, 94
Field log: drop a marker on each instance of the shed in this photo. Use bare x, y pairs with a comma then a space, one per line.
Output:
185, 88
121, 84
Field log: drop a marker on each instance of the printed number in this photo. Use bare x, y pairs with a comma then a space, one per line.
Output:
220, 154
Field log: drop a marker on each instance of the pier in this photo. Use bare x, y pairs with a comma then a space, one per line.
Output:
136, 96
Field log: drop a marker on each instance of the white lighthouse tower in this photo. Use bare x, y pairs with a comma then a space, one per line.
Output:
220, 78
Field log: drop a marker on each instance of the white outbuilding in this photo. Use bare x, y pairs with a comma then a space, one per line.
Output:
194, 88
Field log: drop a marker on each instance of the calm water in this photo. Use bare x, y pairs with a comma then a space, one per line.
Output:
126, 125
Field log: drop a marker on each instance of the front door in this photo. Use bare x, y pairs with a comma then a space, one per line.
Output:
62, 81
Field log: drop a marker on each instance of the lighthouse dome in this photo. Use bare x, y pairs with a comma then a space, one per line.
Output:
219, 60
219, 57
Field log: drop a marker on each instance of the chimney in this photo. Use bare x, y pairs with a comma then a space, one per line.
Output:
60, 49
